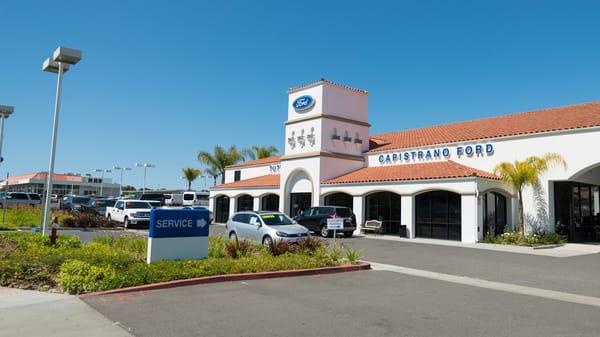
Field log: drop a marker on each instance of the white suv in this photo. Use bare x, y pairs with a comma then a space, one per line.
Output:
21, 198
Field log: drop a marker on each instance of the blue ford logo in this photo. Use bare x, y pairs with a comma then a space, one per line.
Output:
303, 103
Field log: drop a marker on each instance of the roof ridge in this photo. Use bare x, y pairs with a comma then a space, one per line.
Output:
324, 80
510, 114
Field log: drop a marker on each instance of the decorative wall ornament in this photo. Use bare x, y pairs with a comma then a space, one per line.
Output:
301, 140
292, 140
311, 137
346, 137
335, 135
357, 139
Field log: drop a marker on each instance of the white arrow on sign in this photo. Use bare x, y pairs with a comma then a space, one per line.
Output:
201, 223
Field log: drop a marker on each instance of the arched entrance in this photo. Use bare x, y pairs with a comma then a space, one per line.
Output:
221, 209
299, 188
384, 206
245, 202
494, 213
269, 202
339, 199
438, 215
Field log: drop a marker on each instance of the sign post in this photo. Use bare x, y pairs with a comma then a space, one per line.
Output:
335, 224
176, 234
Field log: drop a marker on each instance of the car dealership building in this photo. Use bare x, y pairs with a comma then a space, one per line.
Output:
436, 182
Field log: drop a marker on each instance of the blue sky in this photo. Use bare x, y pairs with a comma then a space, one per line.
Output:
162, 80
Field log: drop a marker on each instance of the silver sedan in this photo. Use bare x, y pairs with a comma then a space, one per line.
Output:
264, 227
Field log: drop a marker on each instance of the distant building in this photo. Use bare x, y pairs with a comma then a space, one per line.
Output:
68, 183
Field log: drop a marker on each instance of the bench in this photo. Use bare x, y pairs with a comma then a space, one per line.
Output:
374, 226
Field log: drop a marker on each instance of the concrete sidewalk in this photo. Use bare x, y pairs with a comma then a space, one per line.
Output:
566, 250
27, 313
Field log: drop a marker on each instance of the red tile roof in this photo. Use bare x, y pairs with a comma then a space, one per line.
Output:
553, 119
271, 180
257, 162
57, 177
422, 171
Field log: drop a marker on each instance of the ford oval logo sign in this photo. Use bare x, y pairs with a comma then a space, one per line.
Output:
303, 103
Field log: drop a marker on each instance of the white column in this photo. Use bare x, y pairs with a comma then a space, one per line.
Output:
596, 201
407, 214
469, 218
211, 205
232, 205
256, 205
480, 216
358, 209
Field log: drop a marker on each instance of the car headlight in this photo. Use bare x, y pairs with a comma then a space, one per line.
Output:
282, 234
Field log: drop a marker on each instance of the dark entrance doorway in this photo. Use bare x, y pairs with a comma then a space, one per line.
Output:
385, 207
298, 202
494, 213
245, 203
270, 202
576, 211
339, 199
438, 215
222, 209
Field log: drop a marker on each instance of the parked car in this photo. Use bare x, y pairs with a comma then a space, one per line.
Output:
174, 199
130, 212
210, 213
264, 227
315, 219
20, 198
154, 196
74, 202
97, 206
192, 198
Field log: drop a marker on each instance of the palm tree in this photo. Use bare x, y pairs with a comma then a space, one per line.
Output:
259, 152
521, 174
213, 173
219, 159
190, 174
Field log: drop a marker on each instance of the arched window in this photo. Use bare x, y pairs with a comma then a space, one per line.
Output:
270, 202
438, 215
245, 202
221, 209
339, 199
494, 213
384, 206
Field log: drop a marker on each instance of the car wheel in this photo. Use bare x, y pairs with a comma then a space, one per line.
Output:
267, 241
233, 236
348, 234
126, 222
324, 231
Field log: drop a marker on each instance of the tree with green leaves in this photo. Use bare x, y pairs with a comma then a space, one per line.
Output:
259, 152
526, 173
190, 174
220, 159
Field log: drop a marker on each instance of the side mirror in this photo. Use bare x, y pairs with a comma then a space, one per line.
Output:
301, 212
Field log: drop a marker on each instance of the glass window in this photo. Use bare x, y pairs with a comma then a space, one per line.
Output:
237, 175
438, 215
188, 196
34, 196
325, 210
386, 207
253, 220
119, 205
276, 219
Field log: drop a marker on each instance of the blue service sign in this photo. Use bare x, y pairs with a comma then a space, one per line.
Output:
303, 103
172, 223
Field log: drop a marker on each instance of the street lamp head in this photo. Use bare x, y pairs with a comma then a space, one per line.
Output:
6, 110
66, 55
52, 66
117, 168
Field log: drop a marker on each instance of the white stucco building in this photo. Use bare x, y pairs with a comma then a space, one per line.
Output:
436, 181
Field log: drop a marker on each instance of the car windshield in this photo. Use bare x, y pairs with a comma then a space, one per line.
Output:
34, 196
158, 197
137, 204
80, 200
276, 219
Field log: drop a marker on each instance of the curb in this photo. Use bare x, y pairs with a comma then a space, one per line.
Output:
233, 277
548, 246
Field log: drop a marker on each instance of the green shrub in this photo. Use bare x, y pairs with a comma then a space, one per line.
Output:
130, 243
85, 220
27, 216
216, 246
78, 277
352, 255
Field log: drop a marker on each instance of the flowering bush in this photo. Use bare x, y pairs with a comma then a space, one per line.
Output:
515, 238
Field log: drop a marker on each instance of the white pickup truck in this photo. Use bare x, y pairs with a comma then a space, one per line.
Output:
130, 212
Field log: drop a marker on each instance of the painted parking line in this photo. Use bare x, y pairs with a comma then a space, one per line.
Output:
500, 286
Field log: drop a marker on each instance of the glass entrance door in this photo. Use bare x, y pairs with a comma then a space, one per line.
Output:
298, 202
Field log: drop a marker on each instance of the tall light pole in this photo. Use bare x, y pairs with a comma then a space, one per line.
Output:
102, 178
59, 64
145, 166
122, 169
5, 112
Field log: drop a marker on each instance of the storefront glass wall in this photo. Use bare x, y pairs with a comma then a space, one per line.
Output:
438, 215
385, 207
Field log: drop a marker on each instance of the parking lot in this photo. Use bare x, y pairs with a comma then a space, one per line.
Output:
382, 302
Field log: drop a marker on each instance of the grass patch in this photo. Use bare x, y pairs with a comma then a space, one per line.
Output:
27, 216
28, 261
